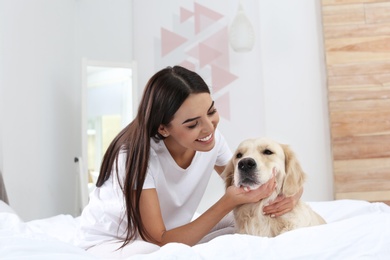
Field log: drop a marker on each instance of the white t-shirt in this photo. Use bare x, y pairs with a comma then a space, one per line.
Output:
179, 191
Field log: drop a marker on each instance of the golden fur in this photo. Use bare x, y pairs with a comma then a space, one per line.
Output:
253, 164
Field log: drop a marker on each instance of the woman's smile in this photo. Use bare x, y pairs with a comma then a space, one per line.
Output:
206, 139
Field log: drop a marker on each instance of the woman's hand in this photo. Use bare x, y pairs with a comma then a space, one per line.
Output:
241, 195
282, 204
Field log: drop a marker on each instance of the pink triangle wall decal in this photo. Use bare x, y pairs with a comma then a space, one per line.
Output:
185, 14
170, 41
223, 105
221, 78
204, 17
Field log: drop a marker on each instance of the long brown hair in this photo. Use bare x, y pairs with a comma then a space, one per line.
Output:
163, 95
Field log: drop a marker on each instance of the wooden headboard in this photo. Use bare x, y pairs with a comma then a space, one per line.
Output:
357, 45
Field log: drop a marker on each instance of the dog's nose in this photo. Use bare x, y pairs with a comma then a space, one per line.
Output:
246, 164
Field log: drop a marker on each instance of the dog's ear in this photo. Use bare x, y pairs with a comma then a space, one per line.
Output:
295, 176
228, 173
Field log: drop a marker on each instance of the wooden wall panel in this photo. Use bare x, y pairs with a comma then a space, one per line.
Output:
346, 2
357, 46
377, 13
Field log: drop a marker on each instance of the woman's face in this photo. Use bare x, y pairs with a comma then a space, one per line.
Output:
193, 125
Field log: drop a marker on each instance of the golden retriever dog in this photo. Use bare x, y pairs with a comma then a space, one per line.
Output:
255, 162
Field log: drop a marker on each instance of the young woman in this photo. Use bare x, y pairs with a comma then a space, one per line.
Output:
156, 170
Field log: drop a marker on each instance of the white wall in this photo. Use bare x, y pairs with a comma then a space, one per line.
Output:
295, 87
39, 83
104, 30
1, 98
42, 45
1, 106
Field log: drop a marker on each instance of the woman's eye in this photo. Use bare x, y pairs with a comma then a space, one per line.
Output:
192, 126
212, 112
267, 152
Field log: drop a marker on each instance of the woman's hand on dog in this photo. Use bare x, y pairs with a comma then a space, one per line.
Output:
242, 195
282, 204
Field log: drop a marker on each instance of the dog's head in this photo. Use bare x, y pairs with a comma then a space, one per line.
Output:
256, 160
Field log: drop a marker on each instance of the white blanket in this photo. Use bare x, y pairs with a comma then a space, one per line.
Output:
354, 230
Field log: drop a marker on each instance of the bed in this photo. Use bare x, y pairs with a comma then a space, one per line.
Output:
355, 230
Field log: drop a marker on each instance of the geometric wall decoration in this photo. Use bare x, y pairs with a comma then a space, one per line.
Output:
199, 41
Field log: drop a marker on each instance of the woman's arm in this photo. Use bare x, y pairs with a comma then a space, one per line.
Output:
219, 169
194, 231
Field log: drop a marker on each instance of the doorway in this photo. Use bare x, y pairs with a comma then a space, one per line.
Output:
109, 102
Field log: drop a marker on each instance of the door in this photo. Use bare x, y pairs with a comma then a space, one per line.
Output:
109, 103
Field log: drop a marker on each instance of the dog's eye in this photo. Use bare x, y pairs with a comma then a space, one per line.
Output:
239, 155
267, 152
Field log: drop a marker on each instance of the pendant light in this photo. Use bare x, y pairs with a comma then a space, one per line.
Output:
241, 32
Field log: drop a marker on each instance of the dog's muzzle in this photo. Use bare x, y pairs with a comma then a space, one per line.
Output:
247, 164
247, 168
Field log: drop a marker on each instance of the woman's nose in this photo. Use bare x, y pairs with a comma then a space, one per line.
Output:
210, 125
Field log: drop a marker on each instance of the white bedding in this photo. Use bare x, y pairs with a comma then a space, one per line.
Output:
355, 230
